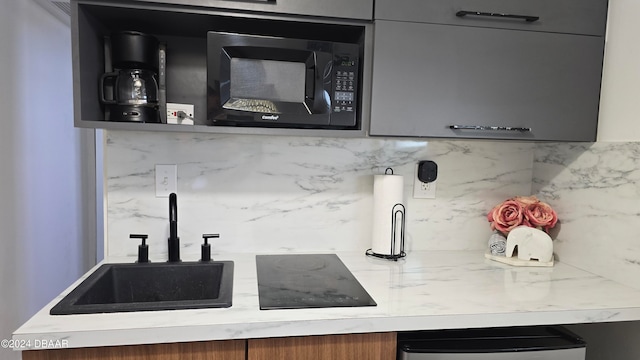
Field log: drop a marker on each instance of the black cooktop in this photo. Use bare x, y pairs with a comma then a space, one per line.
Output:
300, 281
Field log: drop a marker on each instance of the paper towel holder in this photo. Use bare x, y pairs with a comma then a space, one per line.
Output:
397, 209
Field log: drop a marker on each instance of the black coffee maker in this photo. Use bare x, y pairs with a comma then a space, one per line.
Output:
130, 90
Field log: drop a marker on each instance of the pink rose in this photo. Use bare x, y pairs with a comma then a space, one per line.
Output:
540, 214
522, 210
526, 200
506, 216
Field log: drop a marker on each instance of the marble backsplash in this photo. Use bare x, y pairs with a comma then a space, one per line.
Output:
595, 188
281, 194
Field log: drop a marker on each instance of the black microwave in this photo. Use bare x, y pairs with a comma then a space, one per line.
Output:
268, 81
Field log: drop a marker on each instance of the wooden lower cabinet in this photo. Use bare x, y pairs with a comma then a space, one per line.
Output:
209, 350
372, 346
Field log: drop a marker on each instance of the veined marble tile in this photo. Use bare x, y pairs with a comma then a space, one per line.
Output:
595, 188
473, 177
277, 193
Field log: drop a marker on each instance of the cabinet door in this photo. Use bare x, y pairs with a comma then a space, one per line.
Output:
352, 9
428, 78
375, 346
587, 17
210, 350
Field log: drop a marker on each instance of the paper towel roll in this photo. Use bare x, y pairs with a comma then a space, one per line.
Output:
387, 192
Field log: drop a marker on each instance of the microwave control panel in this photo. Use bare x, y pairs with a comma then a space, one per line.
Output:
345, 89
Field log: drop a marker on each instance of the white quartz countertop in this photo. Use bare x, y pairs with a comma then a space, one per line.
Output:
427, 290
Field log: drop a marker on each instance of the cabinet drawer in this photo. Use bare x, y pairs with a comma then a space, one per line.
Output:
565, 16
428, 78
353, 9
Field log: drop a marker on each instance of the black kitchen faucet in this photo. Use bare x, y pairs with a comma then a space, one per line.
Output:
174, 240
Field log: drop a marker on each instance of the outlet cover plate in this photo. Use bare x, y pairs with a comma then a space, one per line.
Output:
172, 113
166, 180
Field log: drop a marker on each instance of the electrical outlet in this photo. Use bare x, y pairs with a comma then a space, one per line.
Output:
423, 190
173, 114
166, 180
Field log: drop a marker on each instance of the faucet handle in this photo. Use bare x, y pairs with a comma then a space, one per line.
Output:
143, 249
206, 247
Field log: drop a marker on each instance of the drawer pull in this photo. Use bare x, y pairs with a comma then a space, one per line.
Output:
490, 128
527, 18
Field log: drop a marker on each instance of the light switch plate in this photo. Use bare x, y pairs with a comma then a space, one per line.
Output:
166, 180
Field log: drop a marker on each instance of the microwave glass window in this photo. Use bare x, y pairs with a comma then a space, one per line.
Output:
280, 81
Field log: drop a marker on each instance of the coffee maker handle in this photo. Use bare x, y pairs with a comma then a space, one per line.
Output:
103, 78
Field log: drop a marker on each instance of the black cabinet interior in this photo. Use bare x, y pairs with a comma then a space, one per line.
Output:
184, 30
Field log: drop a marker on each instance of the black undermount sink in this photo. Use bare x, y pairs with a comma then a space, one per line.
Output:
151, 286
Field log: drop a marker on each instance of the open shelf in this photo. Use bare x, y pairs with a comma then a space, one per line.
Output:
184, 30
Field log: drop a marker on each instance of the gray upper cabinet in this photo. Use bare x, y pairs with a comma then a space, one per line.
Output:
516, 69
352, 9
566, 16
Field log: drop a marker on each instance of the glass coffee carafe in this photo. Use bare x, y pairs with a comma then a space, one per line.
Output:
131, 87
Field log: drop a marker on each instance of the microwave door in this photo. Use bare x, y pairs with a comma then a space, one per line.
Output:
267, 81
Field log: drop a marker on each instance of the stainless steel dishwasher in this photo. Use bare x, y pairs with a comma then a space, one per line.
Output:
514, 343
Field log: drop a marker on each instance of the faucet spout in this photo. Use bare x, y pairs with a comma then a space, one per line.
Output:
174, 240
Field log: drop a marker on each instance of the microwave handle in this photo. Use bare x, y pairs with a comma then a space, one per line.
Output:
314, 88
322, 100
310, 81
